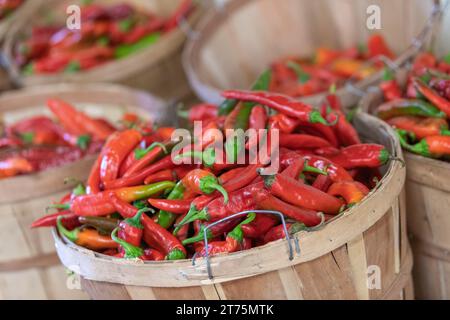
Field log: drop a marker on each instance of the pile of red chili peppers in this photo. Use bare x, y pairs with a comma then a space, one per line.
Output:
40, 143
8, 6
107, 33
421, 112
299, 77
140, 203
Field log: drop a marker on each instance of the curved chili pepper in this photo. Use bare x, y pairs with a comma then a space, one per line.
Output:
301, 194
389, 86
266, 201
73, 119
99, 204
368, 155
320, 130
161, 239
177, 206
421, 127
280, 103
297, 141
230, 174
87, 238
150, 155
139, 177
163, 175
345, 132
404, 107
116, 149
69, 219
152, 254
277, 232
352, 191
440, 102
203, 182
431, 146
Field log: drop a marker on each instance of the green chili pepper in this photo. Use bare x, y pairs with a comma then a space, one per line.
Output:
165, 218
408, 107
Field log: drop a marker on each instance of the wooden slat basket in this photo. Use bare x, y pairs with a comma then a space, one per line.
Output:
239, 41
336, 262
29, 267
428, 202
155, 69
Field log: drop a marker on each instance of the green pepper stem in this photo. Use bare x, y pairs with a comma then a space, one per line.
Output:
136, 220
198, 215
209, 184
71, 235
307, 168
199, 237
445, 132
191, 212
140, 153
131, 252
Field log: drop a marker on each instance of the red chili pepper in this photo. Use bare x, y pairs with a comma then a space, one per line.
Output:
352, 191
297, 141
150, 155
163, 175
203, 182
77, 122
389, 86
301, 194
177, 206
258, 118
201, 112
266, 201
139, 177
162, 240
100, 204
116, 149
322, 182
152, 254
182, 234
142, 30
344, 131
277, 232
70, 220
13, 166
294, 169
320, 130
424, 61
283, 123
231, 174
421, 127
368, 155
334, 171
280, 103
260, 226
440, 102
